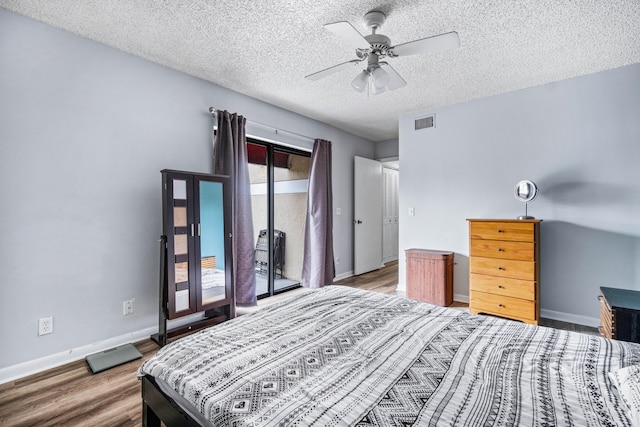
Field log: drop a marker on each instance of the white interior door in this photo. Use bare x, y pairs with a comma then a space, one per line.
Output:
367, 221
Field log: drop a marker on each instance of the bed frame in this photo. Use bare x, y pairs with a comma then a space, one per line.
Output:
157, 406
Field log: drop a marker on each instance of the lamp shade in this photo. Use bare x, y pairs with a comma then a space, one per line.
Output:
380, 78
375, 90
361, 81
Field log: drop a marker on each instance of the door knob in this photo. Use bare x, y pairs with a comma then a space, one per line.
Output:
357, 221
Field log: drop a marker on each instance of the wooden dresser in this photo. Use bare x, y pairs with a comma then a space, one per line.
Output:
504, 268
430, 276
620, 314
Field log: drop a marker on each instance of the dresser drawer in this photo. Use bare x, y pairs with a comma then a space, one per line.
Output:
515, 288
523, 251
511, 231
514, 308
606, 319
524, 270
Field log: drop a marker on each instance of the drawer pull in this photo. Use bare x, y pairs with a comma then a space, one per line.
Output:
500, 305
500, 287
500, 268
500, 250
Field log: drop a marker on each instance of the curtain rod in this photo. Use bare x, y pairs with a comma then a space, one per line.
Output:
213, 110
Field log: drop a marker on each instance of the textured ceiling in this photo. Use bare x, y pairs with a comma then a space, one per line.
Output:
265, 48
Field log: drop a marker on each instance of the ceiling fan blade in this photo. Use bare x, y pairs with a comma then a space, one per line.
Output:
433, 44
349, 33
395, 81
331, 70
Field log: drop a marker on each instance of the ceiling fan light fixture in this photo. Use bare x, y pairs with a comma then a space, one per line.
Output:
361, 81
380, 78
374, 90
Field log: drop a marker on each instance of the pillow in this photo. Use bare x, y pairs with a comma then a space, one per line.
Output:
627, 381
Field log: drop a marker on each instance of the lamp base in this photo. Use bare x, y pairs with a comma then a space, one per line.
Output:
526, 217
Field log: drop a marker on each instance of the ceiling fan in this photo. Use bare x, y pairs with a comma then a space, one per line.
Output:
378, 75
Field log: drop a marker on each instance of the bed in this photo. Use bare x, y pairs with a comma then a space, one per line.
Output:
340, 356
212, 280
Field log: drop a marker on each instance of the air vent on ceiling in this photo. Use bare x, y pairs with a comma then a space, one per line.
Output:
425, 122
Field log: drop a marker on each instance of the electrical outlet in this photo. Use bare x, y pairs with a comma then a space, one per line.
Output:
128, 306
45, 325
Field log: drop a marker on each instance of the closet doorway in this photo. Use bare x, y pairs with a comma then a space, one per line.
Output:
390, 210
279, 181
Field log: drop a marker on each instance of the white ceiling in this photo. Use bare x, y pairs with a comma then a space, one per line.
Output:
265, 48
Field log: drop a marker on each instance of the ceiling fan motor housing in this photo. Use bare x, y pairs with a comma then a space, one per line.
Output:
378, 42
374, 19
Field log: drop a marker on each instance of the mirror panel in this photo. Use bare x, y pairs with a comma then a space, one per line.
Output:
182, 300
525, 190
179, 216
182, 272
212, 256
180, 189
180, 244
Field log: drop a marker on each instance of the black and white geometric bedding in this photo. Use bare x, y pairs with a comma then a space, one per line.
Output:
340, 356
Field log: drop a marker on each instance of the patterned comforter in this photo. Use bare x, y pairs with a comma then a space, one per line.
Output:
340, 356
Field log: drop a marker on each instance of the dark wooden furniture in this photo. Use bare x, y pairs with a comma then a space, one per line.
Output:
157, 407
195, 253
620, 314
504, 268
430, 276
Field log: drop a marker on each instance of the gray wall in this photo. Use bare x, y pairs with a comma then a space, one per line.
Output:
578, 139
387, 149
84, 132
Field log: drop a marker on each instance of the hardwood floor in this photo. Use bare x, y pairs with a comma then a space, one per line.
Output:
384, 280
72, 396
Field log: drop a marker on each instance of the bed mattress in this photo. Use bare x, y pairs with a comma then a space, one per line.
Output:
341, 356
212, 277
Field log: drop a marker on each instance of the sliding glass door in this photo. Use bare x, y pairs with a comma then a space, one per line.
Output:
279, 183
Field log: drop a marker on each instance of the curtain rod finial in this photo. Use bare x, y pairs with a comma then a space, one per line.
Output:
212, 110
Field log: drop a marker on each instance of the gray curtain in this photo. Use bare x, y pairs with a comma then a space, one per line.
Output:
318, 268
230, 158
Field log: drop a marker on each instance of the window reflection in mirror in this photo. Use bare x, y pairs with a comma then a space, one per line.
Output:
212, 242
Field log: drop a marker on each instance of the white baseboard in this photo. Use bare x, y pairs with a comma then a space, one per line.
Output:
461, 298
571, 318
343, 276
31, 367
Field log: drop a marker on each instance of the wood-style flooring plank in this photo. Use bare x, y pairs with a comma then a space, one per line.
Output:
70, 395
384, 280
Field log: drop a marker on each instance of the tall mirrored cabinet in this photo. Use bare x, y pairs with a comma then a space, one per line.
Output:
195, 261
